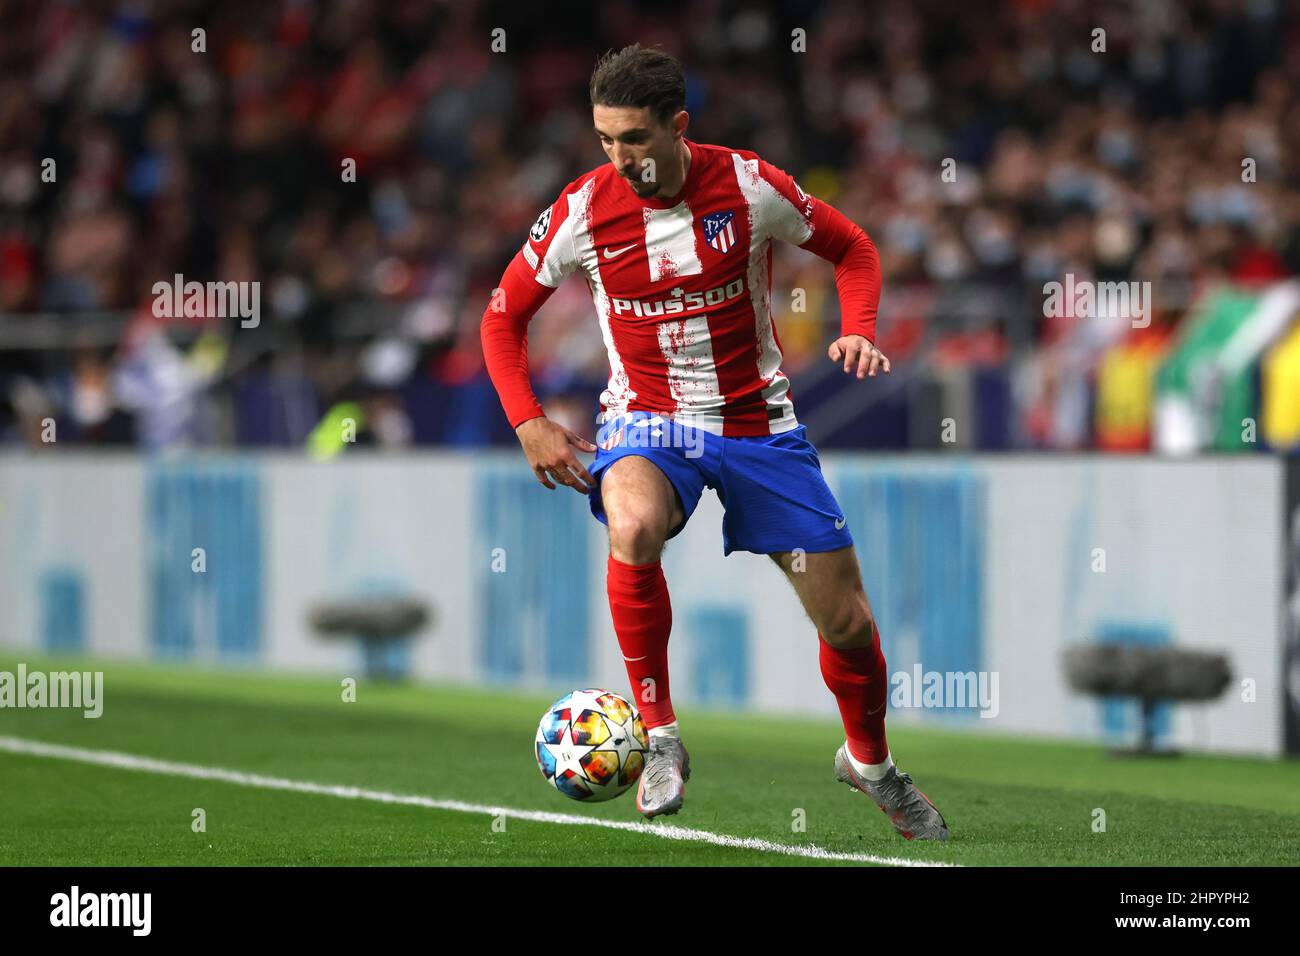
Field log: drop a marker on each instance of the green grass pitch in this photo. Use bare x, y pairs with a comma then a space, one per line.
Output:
1009, 801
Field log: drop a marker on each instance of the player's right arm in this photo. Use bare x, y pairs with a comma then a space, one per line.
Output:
534, 273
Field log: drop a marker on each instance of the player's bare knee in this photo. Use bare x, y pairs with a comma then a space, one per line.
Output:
636, 537
850, 626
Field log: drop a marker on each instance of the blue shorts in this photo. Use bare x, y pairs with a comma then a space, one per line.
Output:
772, 490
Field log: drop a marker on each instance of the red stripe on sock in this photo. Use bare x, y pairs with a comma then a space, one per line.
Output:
857, 678
643, 619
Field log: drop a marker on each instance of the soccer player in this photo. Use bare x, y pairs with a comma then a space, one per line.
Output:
675, 239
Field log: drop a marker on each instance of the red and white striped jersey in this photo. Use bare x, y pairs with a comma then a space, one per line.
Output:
682, 290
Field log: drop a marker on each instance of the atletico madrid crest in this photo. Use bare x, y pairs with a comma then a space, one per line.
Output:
610, 440
719, 230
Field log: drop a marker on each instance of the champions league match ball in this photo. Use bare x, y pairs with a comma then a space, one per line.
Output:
591, 745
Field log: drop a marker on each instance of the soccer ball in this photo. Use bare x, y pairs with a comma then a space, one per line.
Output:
591, 745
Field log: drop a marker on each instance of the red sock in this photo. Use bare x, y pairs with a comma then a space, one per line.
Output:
858, 679
643, 618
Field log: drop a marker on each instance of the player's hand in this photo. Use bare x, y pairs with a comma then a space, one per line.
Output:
858, 352
549, 449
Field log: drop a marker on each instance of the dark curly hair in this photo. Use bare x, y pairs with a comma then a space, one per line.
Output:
639, 77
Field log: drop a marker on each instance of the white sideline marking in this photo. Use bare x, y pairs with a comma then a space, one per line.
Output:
121, 761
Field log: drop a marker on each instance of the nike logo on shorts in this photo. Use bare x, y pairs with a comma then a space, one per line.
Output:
839, 523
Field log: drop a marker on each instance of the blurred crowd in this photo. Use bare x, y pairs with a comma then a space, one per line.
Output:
986, 153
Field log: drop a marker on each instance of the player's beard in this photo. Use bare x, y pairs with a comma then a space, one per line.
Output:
644, 190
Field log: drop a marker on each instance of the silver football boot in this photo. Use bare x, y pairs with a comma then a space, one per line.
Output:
667, 768
908, 809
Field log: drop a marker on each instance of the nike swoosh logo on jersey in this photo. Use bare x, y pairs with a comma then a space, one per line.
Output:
615, 253
839, 523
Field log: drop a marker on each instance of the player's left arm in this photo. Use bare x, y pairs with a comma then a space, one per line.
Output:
794, 216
